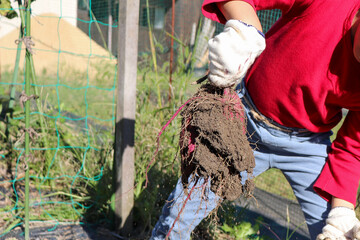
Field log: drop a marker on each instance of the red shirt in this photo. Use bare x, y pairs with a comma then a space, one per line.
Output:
306, 75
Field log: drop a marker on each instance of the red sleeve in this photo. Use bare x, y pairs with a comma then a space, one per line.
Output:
210, 10
341, 174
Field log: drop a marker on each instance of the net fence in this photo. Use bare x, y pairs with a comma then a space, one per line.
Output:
72, 112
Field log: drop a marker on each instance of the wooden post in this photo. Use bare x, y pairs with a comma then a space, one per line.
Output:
110, 23
128, 25
171, 48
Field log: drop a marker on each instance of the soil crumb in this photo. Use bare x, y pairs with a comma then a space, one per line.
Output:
213, 142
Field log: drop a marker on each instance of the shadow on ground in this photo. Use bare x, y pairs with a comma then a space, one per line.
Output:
271, 208
281, 215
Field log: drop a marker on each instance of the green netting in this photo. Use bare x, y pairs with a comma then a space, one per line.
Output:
71, 122
268, 18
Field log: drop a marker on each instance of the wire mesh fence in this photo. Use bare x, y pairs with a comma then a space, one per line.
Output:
71, 119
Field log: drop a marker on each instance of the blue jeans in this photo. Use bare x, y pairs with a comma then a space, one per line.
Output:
298, 153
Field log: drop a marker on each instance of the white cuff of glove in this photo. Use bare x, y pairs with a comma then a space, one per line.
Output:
341, 224
232, 52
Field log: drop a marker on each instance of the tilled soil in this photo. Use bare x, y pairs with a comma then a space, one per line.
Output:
213, 142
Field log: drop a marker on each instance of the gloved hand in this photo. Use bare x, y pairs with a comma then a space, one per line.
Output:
341, 224
232, 52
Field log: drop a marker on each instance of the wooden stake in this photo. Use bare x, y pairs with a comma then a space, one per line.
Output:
125, 114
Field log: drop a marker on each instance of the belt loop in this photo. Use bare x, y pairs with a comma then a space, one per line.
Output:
240, 89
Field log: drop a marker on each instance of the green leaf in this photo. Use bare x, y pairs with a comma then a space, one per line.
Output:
11, 14
6, 9
227, 228
245, 229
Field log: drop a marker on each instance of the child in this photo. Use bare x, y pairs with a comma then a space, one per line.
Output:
295, 87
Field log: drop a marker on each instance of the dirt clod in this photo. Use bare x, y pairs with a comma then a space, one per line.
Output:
213, 141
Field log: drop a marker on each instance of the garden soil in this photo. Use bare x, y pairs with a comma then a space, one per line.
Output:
58, 45
213, 142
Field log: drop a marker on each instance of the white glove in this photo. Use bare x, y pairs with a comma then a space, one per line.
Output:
232, 52
341, 224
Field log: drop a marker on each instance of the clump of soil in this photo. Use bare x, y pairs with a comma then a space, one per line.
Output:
213, 142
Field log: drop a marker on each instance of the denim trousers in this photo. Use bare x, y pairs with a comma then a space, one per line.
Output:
298, 153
